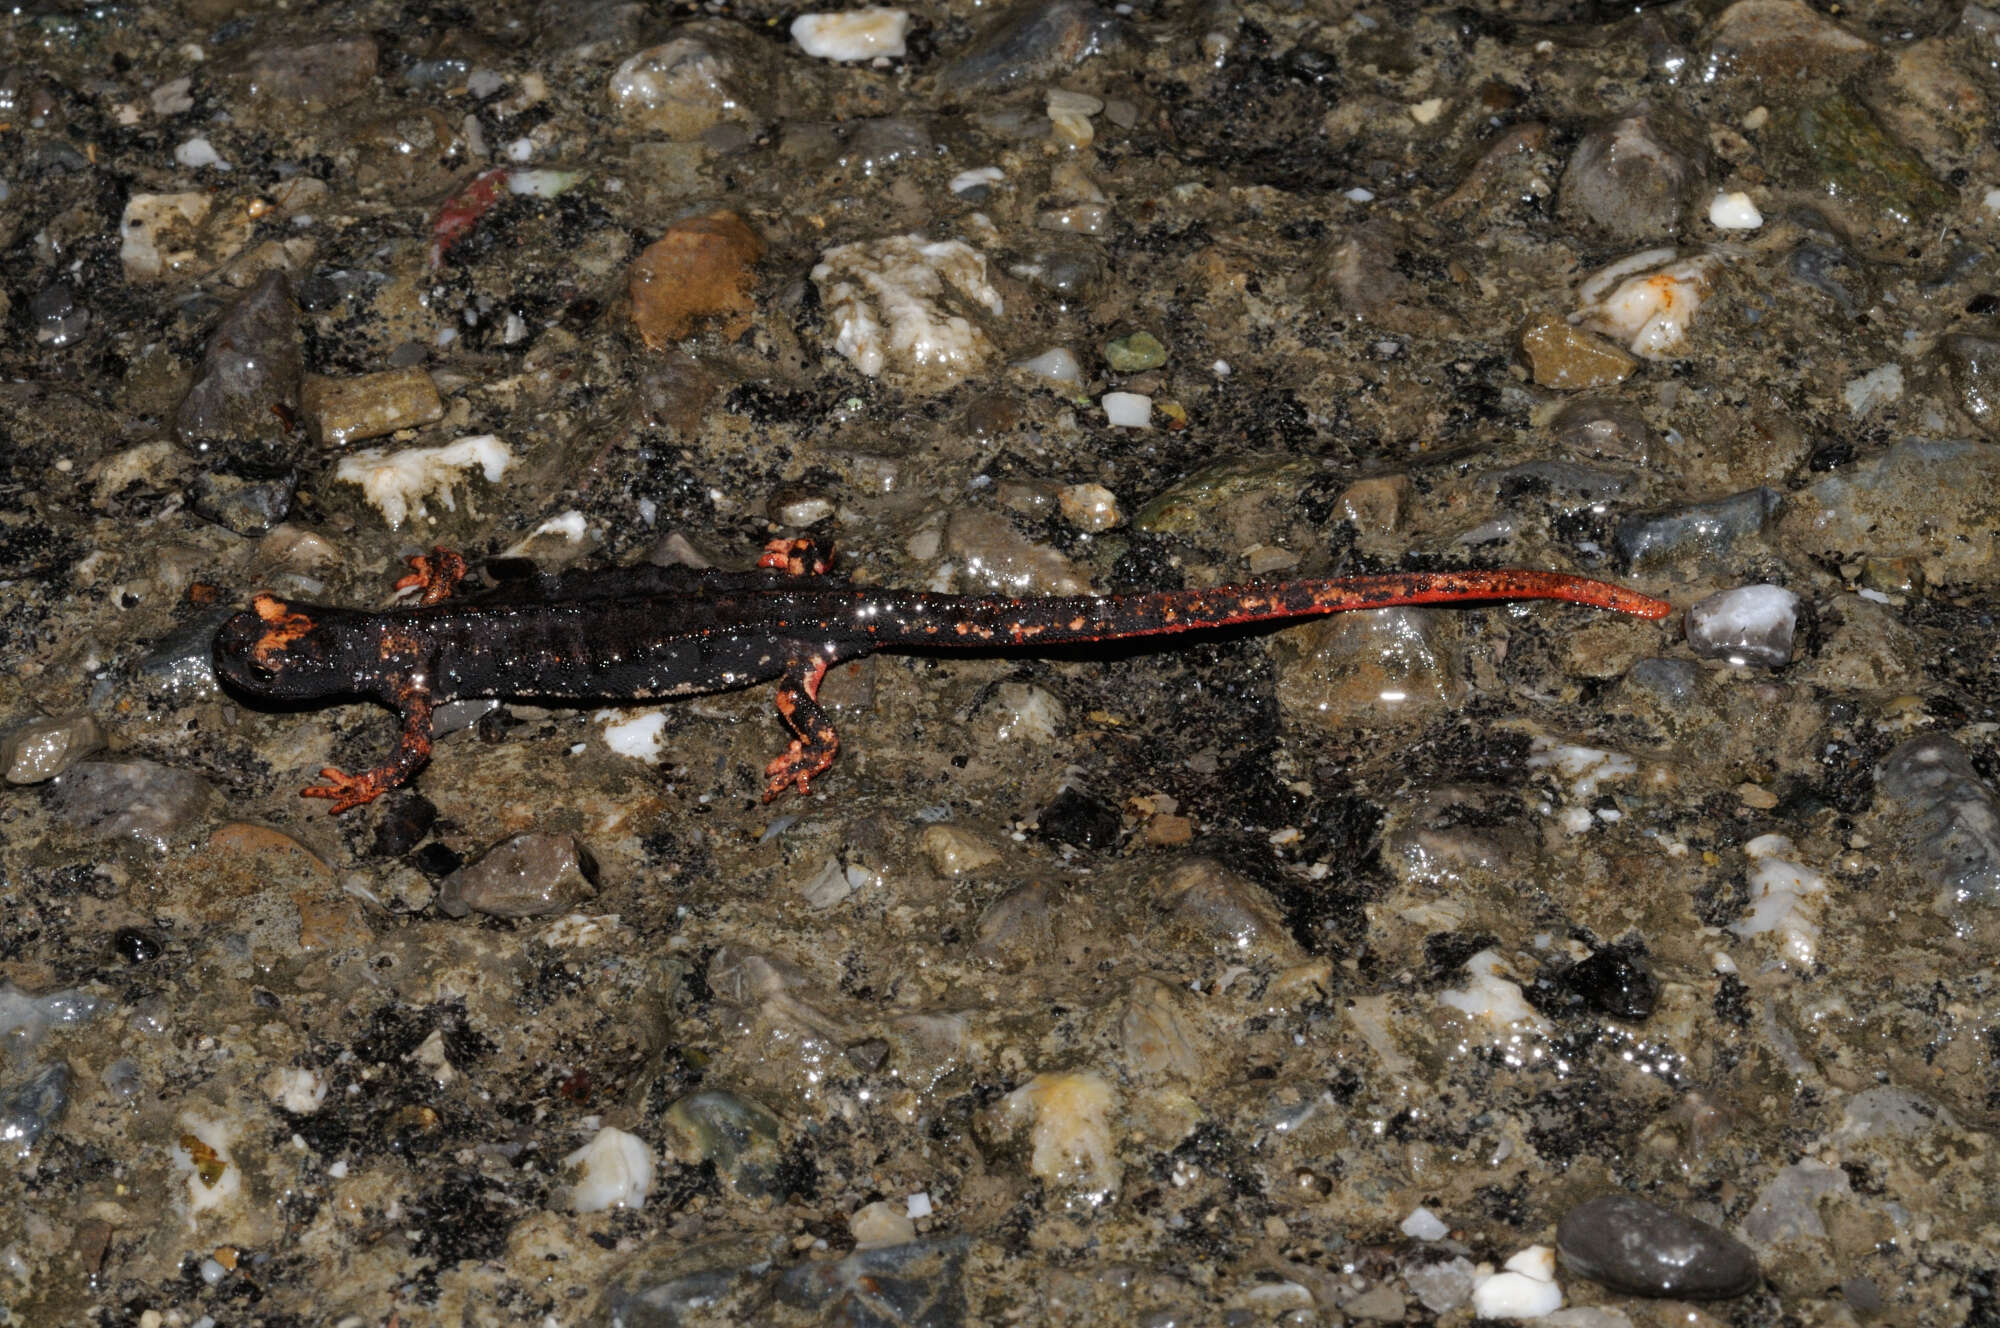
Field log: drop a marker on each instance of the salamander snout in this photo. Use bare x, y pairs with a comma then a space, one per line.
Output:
276, 650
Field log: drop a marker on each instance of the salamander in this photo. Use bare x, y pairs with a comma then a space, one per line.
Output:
649, 633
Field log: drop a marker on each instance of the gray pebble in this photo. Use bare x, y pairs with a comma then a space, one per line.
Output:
1954, 817
28, 1109
738, 1135
58, 318
1672, 682
1746, 625
41, 749
920, 1282
1030, 39
1973, 365
251, 374
1642, 1249
1632, 177
1707, 530
180, 667
129, 800
527, 876
248, 506
1606, 429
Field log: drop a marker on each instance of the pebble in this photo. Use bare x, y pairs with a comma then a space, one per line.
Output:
1570, 359
1633, 177
248, 504
1775, 41
138, 800
1972, 364
953, 850
180, 666
854, 34
31, 1107
1638, 1248
529, 875
1674, 683
1090, 507
1734, 212
1647, 301
347, 410
314, 77
1134, 353
1615, 981
703, 76
738, 1135
1952, 818
990, 555
614, 1170
1862, 175
57, 317
880, 1223
402, 484
1788, 1208
1604, 428
698, 274
1027, 41
1127, 410
1233, 913
1525, 1290
250, 376
1350, 668
1194, 503
1066, 1117
887, 300
1747, 625
162, 235
25, 1020
1695, 532
918, 1283
38, 750
1883, 508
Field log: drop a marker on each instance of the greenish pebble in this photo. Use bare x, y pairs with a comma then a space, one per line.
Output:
1187, 505
1134, 353
738, 1135
1841, 149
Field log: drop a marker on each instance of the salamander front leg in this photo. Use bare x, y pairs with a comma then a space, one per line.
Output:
812, 751
435, 575
413, 748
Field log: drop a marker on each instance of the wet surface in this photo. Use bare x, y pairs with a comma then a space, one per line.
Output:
1300, 976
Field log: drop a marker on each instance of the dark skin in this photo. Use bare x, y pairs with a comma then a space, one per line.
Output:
648, 633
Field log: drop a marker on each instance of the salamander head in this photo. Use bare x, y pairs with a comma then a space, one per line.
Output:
275, 650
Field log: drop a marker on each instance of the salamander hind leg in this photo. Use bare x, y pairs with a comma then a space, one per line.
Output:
812, 750
413, 748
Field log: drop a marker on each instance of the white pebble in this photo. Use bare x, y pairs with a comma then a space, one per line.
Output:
1786, 898
1057, 364
966, 181
1993, 200
397, 484
886, 299
199, 152
918, 1205
1490, 996
1127, 410
1423, 1224
1527, 1290
617, 1172
1877, 387
1648, 301
1359, 195
1747, 625
857, 34
641, 737
1734, 212
298, 1091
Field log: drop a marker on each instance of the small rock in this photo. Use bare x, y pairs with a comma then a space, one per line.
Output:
1233, 912
615, 1171
1952, 817
1526, 1289
180, 666
1079, 819
249, 504
1972, 363
1708, 532
1067, 1120
902, 302
1788, 1208
995, 558
1647, 301
1442, 1287
162, 234
29, 1109
1781, 41
136, 800
314, 77
1156, 1037
1641, 1249
698, 274
1896, 506
1672, 683
1612, 981
954, 850
1603, 428
1090, 507
1570, 359
736, 1134
1837, 149
1346, 667
855, 34
1376, 505
1028, 41
919, 1283
1202, 500
1633, 177
57, 318
347, 410
41, 749
1747, 625
528, 876
701, 77
880, 1223
248, 385
1134, 353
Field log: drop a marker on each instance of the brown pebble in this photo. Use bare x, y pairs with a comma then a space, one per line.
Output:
698, 273
346, 410
1571, 359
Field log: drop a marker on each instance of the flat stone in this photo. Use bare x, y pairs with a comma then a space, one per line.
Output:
41, 749
250, 375
346, 410
1570, 359
1707, 531
1951, 815
1641, 1249
527, 876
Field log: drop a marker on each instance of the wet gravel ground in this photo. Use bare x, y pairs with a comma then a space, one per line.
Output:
1406, 967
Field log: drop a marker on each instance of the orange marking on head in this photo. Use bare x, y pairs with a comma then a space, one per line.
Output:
286, 627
